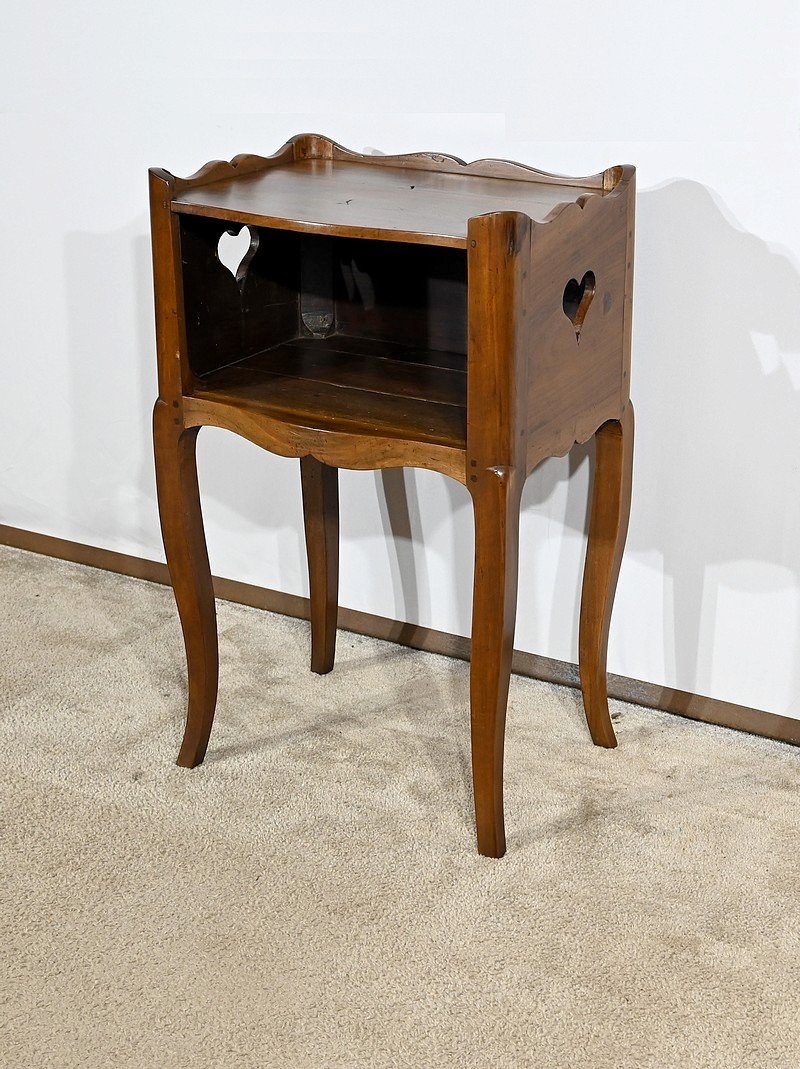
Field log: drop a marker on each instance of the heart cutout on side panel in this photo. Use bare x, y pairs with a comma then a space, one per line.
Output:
577, 298
236, 249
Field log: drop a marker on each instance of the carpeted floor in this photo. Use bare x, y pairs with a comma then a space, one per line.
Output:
311, 896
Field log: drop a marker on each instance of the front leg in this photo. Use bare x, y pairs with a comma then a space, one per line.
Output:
608, 527
496, 496
187, 559
321, 514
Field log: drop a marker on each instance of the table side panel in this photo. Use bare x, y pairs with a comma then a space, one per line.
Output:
578, 380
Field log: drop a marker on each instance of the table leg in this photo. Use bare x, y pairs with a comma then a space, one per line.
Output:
608, 527
496, 501
321, 514
187, 559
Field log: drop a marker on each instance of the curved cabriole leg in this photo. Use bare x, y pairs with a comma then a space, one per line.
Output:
321, 516
496, 503
187, 559
608, 527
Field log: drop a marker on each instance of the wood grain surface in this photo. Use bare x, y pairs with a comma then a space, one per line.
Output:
413, 310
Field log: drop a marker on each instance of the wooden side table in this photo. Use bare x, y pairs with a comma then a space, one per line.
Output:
398, 310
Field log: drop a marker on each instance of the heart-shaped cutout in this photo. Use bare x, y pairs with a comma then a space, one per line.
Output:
577, 298
236, 249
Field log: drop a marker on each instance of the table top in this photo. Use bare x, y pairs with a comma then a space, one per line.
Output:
379, 199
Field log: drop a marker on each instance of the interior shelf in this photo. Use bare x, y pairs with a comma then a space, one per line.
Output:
350, 384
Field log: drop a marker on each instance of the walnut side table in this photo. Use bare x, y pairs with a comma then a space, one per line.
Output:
387, 311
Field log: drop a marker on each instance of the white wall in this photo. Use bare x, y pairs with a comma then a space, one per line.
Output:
702, 98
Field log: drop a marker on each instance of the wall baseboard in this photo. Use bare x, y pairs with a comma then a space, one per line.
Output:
651, 695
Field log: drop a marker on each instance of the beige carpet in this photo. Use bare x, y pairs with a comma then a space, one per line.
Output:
312, 897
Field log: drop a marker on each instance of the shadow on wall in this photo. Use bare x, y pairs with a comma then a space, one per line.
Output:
717, 339
111, 341
716, 383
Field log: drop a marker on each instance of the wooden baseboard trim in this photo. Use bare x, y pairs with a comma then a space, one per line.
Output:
651, 695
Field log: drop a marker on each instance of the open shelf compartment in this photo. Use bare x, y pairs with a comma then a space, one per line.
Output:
332, 333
